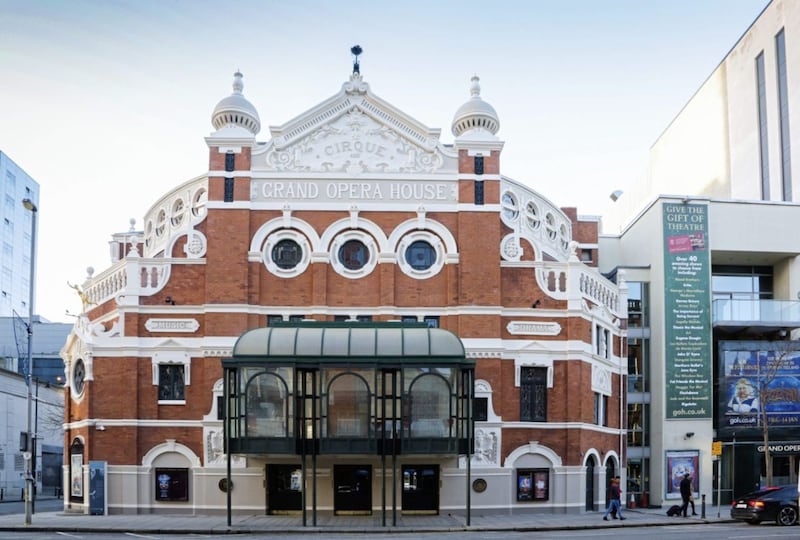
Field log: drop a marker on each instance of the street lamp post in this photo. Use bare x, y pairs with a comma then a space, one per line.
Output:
29, 204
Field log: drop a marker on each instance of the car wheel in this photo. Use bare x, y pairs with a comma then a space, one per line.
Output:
787, 516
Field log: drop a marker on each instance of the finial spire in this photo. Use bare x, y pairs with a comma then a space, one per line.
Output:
238, 85
356, 50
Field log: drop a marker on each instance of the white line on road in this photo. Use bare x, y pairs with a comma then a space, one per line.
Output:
67, 534
141, 536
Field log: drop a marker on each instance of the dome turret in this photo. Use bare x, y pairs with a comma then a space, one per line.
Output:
475, 114
235, 110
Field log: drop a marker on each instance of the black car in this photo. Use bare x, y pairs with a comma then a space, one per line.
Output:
772, 503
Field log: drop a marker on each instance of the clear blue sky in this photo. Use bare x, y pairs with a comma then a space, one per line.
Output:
106, 103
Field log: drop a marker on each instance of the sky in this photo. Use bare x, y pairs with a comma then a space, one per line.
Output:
106, 103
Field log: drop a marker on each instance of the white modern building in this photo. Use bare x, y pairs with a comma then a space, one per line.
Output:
707, 243
15, 256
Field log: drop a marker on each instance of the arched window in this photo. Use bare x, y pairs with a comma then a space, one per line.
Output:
348, 406
430, 406
266, 406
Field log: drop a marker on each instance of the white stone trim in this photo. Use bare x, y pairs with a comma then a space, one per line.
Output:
372, 254
172, 325
434, 241
532, 447
167, 447
276, 237
535, 328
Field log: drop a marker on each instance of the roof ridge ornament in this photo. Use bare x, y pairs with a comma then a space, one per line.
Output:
356, 50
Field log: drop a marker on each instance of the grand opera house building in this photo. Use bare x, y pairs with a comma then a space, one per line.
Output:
348, 317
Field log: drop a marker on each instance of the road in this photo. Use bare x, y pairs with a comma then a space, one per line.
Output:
726, 531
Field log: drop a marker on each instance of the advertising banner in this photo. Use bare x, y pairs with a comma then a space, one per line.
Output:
97, 488
679, 464
687, 302
759, 375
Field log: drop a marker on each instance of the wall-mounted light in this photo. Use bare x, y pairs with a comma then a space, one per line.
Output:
169, 300
537, 303
690, 434
100, 427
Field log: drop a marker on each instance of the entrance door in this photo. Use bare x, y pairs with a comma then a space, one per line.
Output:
420, 489
284, 489
589, 493
352, 489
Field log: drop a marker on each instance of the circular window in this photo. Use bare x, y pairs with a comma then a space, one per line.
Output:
148, 234
420, 255
199, 201
550, 225
286, 253
78, 377
353, 255
564, 234
161, 222
532, 216
510, 206
178, 209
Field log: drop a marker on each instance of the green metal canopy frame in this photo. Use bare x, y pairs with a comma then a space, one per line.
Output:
384, 345
378, 344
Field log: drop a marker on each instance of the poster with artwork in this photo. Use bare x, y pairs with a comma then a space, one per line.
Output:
97, 488
76, 475
679, 464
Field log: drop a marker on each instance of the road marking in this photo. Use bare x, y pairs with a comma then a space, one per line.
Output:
141, 535
70, 535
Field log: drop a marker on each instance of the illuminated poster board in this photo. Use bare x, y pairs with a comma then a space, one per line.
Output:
756, 376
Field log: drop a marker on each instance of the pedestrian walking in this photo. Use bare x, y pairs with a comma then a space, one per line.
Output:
686, 494
614, 497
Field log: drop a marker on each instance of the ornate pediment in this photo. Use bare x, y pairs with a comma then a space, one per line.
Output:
355, 133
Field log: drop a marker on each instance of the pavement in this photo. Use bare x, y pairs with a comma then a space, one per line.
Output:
67, 522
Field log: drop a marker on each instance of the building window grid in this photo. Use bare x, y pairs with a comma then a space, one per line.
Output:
600, 409
761, 90
171, 382
533, 394
228, 195
783, 105
479, 192
602, 341
230, 162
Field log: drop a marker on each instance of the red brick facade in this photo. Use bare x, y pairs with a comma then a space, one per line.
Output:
517, 297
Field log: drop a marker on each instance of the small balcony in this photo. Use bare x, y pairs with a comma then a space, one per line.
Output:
755, 316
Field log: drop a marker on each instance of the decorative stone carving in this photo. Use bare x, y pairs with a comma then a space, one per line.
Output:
215, 453
533, 328
486, 445
172, 325
601, 380
355, 143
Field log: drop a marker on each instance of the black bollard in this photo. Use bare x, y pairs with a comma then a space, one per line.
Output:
703, 507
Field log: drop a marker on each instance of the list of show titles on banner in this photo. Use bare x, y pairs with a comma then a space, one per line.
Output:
687, 311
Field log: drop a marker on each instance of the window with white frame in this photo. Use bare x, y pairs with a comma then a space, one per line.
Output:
600, 409
602, 338
171, 374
